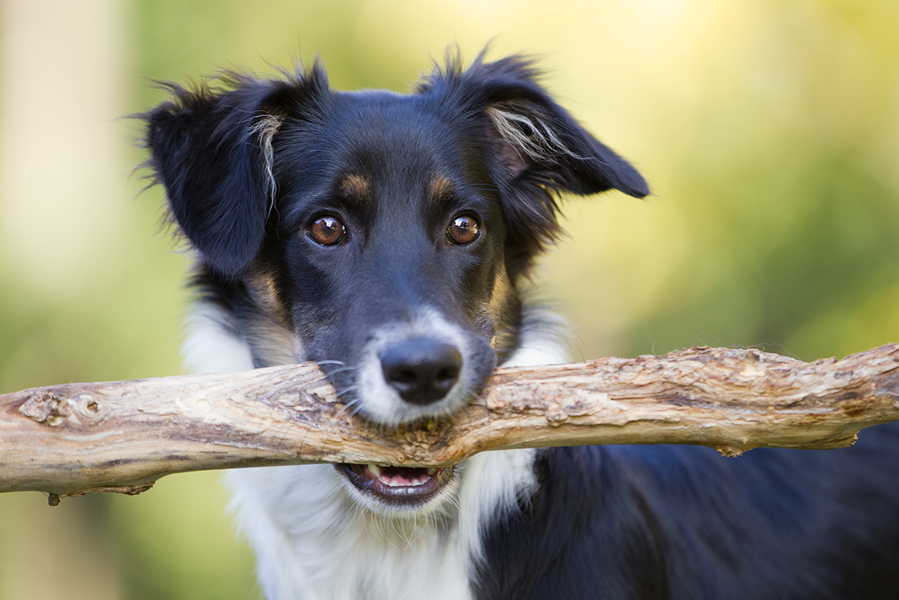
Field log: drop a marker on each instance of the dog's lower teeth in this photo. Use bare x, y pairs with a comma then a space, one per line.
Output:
394, 479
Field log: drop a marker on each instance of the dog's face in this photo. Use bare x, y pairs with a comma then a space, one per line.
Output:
391, 253
381, 235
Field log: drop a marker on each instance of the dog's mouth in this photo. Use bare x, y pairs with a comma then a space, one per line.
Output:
400, 487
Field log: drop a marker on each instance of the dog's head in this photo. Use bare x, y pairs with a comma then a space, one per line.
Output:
382, 235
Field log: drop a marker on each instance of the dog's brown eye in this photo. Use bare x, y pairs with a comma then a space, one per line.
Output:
464, 229
328, 231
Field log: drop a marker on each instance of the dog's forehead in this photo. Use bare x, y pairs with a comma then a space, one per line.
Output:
383, 105
380, 121
354, 141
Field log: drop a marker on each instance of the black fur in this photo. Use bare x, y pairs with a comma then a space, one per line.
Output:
606, 522
207, 152
683, 523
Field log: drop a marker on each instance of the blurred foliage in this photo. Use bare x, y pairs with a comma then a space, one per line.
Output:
768, 130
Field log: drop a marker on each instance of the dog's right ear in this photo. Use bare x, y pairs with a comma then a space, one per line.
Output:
212, 150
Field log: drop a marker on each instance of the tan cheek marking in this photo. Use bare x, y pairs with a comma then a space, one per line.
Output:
275, 343
355, 186
262, 289
502, 288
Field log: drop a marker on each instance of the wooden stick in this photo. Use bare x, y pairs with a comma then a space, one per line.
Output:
122, 436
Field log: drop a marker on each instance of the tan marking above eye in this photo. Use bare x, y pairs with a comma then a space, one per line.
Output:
439, 188
355, 186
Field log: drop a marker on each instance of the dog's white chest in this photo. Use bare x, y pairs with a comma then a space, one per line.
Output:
314, 543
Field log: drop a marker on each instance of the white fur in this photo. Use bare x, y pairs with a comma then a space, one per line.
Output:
314, 542
534, 139
211, 344
266, 127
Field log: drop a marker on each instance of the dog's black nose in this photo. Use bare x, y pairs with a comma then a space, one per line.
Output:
422, 371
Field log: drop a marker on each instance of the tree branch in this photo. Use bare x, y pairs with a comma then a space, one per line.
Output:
122, 436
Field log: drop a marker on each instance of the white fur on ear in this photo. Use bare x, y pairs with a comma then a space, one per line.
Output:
529, 138
266, 127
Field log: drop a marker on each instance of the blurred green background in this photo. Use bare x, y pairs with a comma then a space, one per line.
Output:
768, 129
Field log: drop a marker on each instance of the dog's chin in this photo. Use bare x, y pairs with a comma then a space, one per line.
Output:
398, 490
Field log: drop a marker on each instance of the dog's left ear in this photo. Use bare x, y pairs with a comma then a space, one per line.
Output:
540, 142
533, 146
539, 139
212, 152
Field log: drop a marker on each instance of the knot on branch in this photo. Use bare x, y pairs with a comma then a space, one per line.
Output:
579, 403
53, 409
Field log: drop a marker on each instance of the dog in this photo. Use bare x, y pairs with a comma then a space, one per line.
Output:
390, 238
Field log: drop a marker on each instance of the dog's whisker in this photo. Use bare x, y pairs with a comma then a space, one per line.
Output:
348, 405
356, 409
342, 370
346, 390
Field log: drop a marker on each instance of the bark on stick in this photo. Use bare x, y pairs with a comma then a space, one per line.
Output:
122, 436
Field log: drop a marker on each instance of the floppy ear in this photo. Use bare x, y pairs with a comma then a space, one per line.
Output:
212, 150
541, 142
534, 148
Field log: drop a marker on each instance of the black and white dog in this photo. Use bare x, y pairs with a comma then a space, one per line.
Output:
388, 237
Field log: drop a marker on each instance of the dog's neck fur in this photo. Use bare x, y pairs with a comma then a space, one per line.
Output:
314, 543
